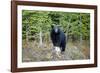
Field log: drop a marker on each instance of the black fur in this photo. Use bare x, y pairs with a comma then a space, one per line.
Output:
58, 37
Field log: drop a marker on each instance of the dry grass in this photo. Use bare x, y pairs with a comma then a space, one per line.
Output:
74, 51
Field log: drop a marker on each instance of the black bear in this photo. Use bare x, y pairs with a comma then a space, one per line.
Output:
58, 38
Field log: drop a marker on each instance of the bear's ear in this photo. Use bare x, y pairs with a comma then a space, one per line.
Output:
52, 25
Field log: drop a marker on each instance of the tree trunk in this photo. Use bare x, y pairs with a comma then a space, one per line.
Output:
40, 37
80, 30
27, 39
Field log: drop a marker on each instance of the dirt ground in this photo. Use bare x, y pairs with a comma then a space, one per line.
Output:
74, 51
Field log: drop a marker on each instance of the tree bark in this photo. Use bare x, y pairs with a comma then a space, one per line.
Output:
80, 30
41, 40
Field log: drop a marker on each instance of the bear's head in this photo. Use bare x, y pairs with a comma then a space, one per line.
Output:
55, 29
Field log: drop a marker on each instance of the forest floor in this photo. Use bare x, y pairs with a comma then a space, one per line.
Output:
74, 51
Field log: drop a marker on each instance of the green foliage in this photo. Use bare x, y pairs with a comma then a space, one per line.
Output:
73, 24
